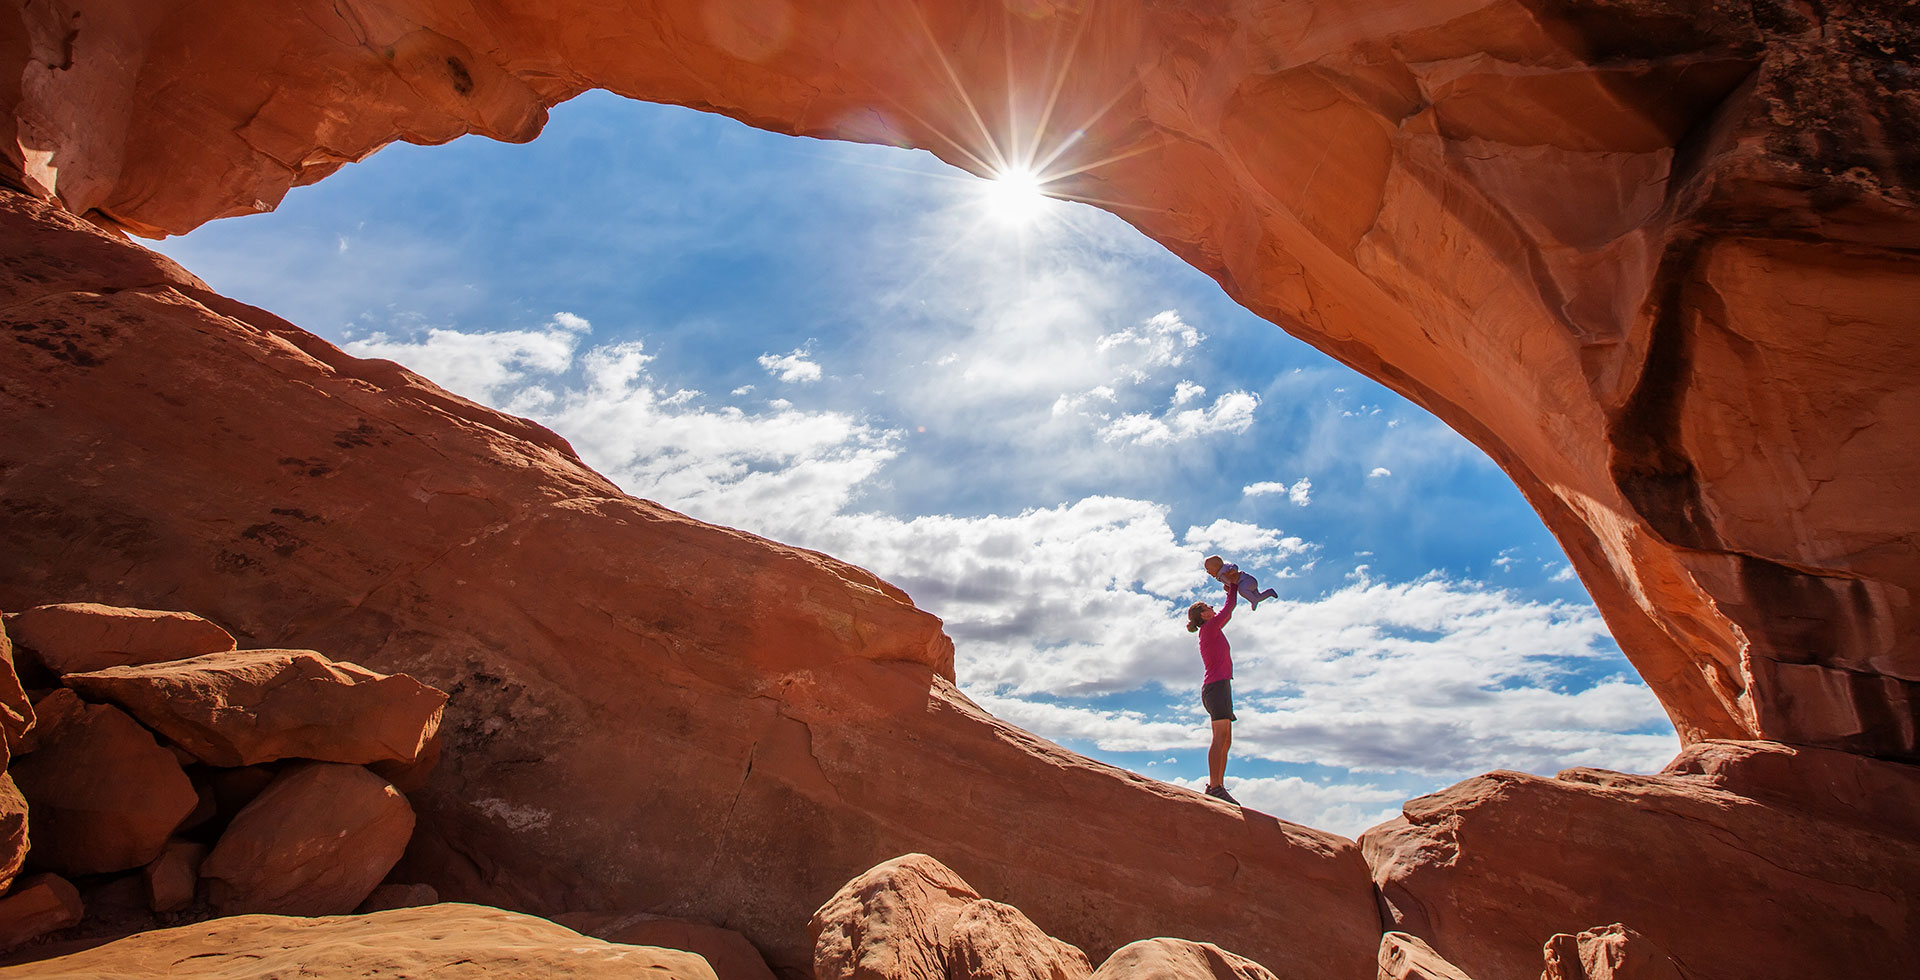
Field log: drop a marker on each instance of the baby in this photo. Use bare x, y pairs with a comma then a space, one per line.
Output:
1242, 582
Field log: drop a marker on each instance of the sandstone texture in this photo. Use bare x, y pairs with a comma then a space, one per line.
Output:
593, 687
1729, 886
1405, 957
246, 707
101, 794
446, 942
1612, 952
16, 709
38, 905
72, 637
317, 842
172, 878
729, 953
1179, 959
1653, 256
13, 830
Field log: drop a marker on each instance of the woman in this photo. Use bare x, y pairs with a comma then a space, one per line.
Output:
1216, 688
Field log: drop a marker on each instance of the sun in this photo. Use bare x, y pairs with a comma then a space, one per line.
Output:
1015, 196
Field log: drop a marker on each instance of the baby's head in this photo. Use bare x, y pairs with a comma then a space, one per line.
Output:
1213, 564
1198, 613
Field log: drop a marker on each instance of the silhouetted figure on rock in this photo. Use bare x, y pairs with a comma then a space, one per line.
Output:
1216, 688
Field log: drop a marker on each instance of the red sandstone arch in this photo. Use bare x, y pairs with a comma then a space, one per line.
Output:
1654, 258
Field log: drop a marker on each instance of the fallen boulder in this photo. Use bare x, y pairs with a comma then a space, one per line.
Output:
74, 637
172, 878
446, 942
1487, 869
1407, 957
1178, 959
16, 710
316, 842
101, 794
729, 953
992, 941
13, 830
37, 906
246, 707
1612, 952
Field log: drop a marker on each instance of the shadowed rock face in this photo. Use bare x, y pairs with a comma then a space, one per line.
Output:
1653, 256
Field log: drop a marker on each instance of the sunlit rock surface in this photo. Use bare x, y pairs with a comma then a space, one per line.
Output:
644, 712
1654, 257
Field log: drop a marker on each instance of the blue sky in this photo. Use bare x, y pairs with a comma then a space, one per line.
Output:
1034, 423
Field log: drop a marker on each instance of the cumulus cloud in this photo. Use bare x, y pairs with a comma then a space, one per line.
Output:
1378, 472
482, 366
793, 368
1300, 491
1162, 341
1231, 412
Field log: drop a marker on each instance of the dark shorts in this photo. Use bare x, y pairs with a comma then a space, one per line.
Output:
1217, 698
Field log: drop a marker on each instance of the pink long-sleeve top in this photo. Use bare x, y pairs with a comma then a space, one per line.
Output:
1214, 652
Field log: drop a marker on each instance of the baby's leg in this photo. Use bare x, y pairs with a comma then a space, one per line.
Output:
1249, 589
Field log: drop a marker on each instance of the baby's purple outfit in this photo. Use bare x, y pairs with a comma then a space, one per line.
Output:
1248, 587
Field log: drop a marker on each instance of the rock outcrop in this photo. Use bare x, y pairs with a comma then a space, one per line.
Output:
591, 685
73, 637
246, 707
729, 953
1612, 952
1653, 256
1179, 959
1732, 887
316, 842
1405, 957
446, 942
36, 906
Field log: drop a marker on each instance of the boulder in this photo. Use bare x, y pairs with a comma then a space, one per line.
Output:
74, 637
892, 922
1406, 957
38, 905
1488, 868
245, 707
391, 896
101, 794
913, 917
317, 841
1178, 959
16, 710
1612, 952
729, 953
445, 942
992, 941
14, 822
172, 878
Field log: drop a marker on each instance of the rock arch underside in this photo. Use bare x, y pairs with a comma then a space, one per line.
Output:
1660, 260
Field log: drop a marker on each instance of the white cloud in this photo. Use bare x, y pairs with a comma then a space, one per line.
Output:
794, 368
1187, 391
1378, 472
1300, 491
1231, 412
1162, 341
481, 366
1564, 574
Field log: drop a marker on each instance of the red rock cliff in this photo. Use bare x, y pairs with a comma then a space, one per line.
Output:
1656, 258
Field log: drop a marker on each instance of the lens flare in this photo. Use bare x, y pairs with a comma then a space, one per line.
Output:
1015, 196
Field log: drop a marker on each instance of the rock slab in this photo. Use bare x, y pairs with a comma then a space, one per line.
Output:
445, 942
1612, 952
1178, 959
73, 637
729, 953
317, 841
1407, 957
38, 905
246, 707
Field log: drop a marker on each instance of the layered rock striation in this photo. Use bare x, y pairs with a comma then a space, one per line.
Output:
1654, 256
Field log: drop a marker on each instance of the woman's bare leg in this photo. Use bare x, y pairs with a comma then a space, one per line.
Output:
1217, 753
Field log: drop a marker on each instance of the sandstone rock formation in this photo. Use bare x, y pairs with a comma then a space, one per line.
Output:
1612, 952
13, 830
16, 709
1179, 959
1406, 957
730, 955
1732, 887
446, 942
393, 896
246, 707
591, 685
38, 905
316, 842
1652, 256
101, 794
72, 637
173, 877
